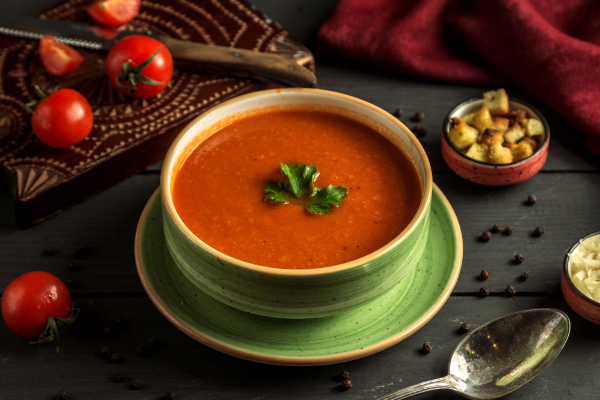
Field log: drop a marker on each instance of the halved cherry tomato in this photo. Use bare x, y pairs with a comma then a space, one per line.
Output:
140, 60
29, 300
62, 119
114, 12
58, 58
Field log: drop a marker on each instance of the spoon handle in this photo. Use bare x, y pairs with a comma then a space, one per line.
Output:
436, 384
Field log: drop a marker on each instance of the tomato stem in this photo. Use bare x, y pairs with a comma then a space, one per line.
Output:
132, 75
30, 106
40, 92
50, 334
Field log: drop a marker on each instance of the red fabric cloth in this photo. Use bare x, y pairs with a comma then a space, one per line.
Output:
550, 48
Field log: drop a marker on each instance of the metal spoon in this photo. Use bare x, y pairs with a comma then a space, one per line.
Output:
500, 356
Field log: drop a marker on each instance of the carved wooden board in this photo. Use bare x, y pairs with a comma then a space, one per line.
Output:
128, 134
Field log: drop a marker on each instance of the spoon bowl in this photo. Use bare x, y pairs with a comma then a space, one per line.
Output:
501, 356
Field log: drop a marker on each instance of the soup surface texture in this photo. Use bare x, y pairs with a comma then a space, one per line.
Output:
218, 191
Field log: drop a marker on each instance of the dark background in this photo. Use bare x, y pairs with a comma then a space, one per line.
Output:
568, 189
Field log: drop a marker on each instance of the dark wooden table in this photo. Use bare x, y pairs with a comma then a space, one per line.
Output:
568, 192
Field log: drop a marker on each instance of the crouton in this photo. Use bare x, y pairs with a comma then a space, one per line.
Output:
478, 152
496, 101
521, 151
500, 123
491, 137
516, 117
533, 127
480, 119
498, 154
462, 135
514, 134
534, 145
455, 121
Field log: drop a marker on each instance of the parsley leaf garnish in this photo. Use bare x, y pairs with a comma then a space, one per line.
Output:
300, 189
302, 178
320, 200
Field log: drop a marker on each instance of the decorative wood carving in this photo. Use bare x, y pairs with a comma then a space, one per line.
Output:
128, 134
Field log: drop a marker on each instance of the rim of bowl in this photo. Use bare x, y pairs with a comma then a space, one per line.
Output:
471, 100
419, 215
566, 268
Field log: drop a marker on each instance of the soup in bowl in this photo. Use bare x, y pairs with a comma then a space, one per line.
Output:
296, 203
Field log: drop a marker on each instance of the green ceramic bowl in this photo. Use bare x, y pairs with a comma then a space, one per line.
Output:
286, 293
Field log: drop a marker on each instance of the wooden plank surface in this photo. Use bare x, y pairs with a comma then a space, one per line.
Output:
194, 371
568, 189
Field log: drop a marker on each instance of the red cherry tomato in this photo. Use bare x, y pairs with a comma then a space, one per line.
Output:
132, 52
62, 119
31, 299
58, 58
114, 12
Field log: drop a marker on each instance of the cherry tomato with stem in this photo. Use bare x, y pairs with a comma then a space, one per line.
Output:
114, 12
61, 119
58, 58
35, 304
139, 66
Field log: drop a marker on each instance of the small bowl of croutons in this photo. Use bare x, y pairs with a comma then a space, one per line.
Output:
494, 140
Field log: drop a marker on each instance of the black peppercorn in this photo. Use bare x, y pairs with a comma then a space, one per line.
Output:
497, 228
519, 259
115, 357
121, 323
155, 344
169, 395
419, 116
136, 384
106, 351
484, 292
510, 291
464, 328
49, 251
141, 351
73, 267
74, 283
344, 375
419, 131
427, 347
524, 276
531, 200
486, 236
82, 252
398, 113
109, 332
509, 230
63, 394
346, 384
539, 231
484, 275
120, 376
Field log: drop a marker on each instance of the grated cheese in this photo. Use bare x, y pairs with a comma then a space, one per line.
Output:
584, 267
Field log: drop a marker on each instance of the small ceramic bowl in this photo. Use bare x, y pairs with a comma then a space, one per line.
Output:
304, 293
580, 303
487, 173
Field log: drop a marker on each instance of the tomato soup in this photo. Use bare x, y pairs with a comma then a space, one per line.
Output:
219, 188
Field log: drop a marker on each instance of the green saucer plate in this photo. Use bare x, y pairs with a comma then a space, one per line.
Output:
327, 340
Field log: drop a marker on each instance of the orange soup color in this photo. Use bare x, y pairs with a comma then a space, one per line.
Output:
218, 191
